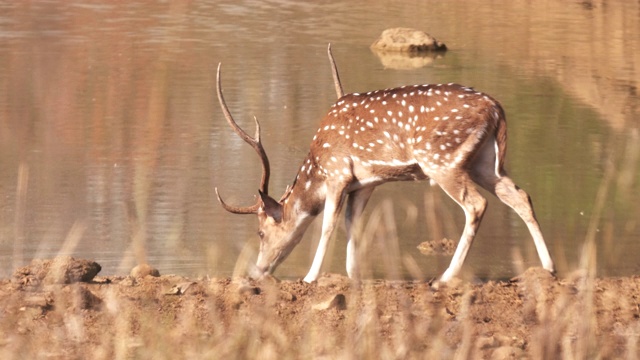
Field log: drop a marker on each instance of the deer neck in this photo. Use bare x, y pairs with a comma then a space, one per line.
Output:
308, 194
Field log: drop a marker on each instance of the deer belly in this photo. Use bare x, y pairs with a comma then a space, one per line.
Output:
374, 173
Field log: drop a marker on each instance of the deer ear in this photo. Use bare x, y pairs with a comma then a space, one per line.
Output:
271, 206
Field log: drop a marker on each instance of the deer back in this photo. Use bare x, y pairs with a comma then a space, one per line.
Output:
437, 126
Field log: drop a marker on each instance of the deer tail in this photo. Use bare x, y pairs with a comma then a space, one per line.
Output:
501, 141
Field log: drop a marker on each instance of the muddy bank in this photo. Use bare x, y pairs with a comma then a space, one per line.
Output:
532, 316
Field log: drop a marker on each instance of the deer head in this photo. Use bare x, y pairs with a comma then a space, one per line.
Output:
272, 224
279, 233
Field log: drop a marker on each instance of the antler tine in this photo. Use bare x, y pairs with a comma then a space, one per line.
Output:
334, 71
253, 209
255, 143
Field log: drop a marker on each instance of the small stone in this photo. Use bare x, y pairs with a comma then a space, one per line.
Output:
249, 290
487, 342
337, 301
180, 289
129, 281
438, 247
101, 280
143, 270
287, 296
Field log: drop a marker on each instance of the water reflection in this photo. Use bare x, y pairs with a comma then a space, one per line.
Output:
111, 109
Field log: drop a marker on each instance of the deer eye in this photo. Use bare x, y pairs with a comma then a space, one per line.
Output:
261, 234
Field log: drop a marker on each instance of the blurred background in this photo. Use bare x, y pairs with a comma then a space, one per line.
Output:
112, 140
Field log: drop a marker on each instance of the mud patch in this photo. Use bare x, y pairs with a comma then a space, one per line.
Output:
438, 247
534, 315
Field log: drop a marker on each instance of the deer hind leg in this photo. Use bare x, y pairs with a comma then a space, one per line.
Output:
459, 187
355, 205
332, 207
499, 184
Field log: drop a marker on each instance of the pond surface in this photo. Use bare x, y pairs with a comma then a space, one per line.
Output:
112, 141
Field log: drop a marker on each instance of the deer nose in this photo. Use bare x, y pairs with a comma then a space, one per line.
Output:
256, 272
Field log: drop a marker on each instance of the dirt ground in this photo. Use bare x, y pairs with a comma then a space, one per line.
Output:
61, 310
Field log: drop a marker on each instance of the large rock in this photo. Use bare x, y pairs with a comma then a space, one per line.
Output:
405, 60
407, 40
60, 270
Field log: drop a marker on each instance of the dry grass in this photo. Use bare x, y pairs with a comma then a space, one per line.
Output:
535, 316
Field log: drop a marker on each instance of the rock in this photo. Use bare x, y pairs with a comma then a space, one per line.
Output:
180, 289
249, 290
406, 61
101, 280
287, 296
143, 270
438, 247
67, 270
60, 270
129, 281
337, 301
246, 288
487, 342
408, 41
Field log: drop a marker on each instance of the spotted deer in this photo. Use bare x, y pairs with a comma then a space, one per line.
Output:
447, 133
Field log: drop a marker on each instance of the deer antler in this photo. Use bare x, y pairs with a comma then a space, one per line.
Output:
255, 143
334, 71
339, 93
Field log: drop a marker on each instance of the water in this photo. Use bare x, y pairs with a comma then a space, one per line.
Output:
111, 139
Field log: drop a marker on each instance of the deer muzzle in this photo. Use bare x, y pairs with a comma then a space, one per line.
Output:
262, 267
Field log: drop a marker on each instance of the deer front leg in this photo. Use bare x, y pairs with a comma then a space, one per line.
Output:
332, 206
355, 205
